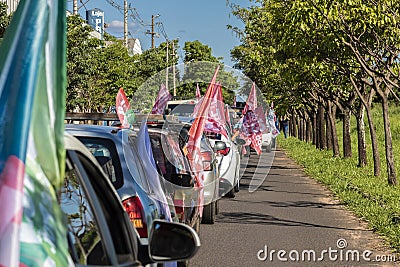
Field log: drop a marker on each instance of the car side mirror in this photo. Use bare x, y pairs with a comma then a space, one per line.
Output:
240, 141
171, 241
219, 145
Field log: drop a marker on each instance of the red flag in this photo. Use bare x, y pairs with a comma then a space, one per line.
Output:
198, 95
216, 121
251, 103
195, 135
122, 105
161, 101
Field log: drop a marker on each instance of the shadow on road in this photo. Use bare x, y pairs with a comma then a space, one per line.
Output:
263, 219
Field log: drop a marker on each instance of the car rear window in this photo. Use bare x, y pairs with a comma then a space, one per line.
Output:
105, 152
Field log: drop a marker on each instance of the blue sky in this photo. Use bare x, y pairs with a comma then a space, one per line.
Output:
203, 20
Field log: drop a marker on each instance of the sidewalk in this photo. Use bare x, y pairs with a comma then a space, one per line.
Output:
289, 212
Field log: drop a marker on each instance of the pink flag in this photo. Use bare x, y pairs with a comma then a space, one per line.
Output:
262, 121
195, 135
251, 130
161, 101
198, 95
251, 103
216, 120
122, 105
11, 195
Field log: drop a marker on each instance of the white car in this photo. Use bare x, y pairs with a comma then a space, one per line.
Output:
267, 141
229, 165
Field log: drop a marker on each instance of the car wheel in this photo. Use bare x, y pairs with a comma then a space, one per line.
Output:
237, 187
268, 148
209, 213
231, 193
216, 207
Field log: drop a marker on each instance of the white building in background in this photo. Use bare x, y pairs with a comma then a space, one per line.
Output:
12, 5
134, 46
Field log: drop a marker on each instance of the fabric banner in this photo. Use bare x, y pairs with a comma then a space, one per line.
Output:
122, 106
32, 154
198, 95
144, 149
251, 102
251, 129
195, 134
161, 101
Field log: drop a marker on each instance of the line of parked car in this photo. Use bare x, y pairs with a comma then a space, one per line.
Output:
151, 178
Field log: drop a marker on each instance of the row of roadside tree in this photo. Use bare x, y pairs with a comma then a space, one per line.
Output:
323, 60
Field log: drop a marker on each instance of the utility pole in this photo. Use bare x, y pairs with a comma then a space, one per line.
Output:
152, 32
166, 70
126, 23
75, 7
173, 66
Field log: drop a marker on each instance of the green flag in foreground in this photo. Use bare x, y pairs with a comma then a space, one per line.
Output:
32, 155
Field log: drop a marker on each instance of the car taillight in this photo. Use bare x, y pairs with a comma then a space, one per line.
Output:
206, 157
223, 152
133, 206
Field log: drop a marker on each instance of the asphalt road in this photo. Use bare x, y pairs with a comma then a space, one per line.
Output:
281, 217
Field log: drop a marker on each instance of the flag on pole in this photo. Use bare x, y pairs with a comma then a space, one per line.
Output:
144, 149
251, 102
122, 106
198, 94
251, 130
195, 134
216, 120
32, 153
161, 101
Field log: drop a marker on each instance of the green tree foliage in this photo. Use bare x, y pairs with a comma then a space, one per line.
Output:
4, 18
305, 54
199, 68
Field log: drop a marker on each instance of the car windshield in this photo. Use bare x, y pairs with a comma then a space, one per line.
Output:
182, 109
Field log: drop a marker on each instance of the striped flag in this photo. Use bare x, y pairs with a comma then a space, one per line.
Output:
32, 154
161, 101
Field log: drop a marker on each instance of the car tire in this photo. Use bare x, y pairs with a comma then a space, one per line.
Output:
231, 193
209, 213
237, 187
268, 148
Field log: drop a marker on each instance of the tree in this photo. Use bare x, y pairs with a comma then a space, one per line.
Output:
199, 67
4, 18
337, 48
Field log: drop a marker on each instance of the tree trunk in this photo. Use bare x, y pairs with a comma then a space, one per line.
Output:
328, 133
308, 129
333, 132
347, 153
362, 147
314, 129
294, 124
391, 170
321, 127
374, 140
